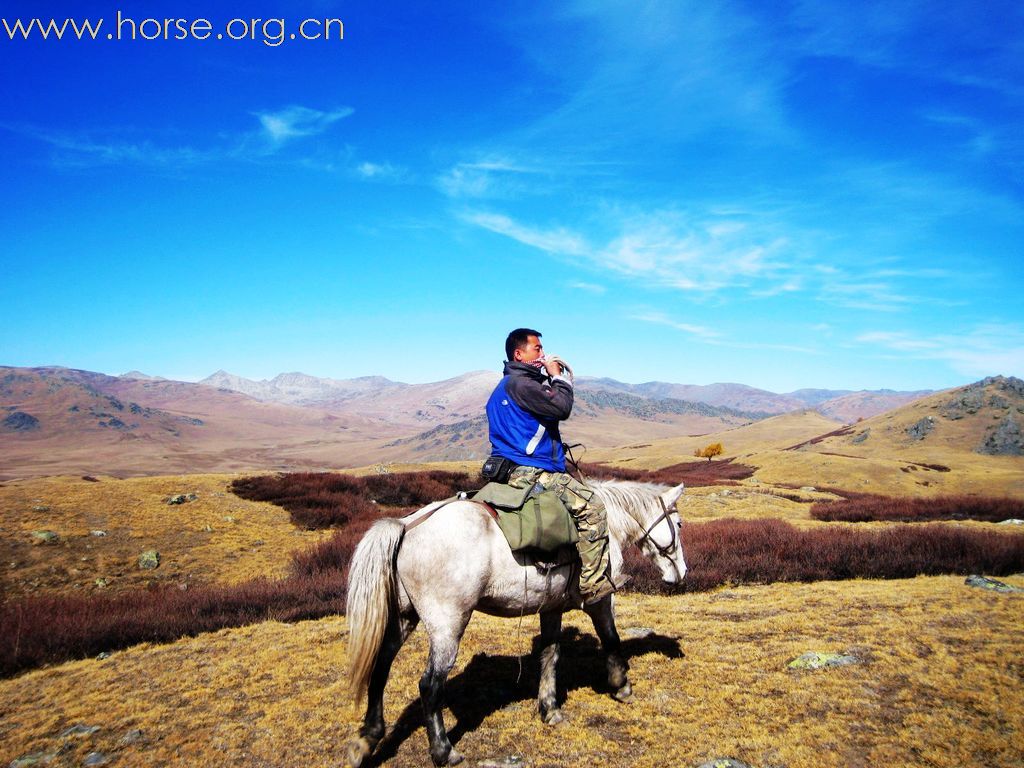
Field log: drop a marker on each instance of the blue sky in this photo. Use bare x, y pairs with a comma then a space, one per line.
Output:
782, 194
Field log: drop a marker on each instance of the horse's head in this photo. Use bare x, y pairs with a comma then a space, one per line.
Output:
662, 540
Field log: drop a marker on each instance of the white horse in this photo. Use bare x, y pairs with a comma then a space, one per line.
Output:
448, 559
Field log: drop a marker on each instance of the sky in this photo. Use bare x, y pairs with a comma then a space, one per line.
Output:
780, 194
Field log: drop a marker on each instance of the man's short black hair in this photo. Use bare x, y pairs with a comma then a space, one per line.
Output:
517, 340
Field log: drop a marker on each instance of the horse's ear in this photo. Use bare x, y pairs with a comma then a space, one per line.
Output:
671, 496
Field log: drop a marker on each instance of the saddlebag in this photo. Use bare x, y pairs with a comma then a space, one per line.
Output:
530, 518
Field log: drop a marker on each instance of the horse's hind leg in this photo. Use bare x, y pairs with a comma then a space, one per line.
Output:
603, 616
373, 728
547, 694
445, 636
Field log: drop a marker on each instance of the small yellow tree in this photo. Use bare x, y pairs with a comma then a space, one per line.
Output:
708, 451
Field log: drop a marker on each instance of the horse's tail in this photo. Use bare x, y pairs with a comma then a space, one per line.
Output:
372, 595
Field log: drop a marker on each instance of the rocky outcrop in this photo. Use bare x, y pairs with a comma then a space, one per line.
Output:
19, 421
920, 429
1005, 440
971, 399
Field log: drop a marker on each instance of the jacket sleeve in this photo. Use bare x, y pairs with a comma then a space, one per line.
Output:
543, 400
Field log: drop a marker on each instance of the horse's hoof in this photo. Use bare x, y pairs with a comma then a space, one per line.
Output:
454, 757
554, 717
358, 750
624, 694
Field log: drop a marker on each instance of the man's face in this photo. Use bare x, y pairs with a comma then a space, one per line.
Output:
532, 350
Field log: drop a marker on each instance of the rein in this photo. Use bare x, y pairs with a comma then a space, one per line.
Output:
445, 503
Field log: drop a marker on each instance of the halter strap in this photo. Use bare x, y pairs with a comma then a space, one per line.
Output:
663, 551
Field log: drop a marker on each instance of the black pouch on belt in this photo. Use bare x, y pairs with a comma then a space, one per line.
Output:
497, 469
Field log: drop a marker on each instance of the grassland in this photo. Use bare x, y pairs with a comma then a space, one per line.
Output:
939, 684
217, 538
939, 681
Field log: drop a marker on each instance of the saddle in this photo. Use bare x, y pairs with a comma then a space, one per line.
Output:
531, 518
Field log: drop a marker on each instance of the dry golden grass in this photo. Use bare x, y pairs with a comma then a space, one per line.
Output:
216, 538
939, 685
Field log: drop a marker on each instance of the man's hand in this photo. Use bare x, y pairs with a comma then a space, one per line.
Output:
555, 365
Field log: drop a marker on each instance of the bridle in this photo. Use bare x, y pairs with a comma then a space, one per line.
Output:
675, 541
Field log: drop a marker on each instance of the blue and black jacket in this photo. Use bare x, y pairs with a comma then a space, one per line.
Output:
523, 414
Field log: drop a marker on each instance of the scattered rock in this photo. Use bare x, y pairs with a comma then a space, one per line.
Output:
192, 496
919, 429
639, 632
808, 488
96, 758
41, 508
177, 499
819, 660
149, 560
1004, 440
97, 533
860, 437
1012, 521
102, 655
131, 737
101, 583
19, 421
724, 762
45, 537
983, 582
36, 758
512, 761
78, 731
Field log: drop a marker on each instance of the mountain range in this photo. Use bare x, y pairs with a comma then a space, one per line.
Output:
57, 420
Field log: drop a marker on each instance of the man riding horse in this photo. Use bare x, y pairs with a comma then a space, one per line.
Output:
524, 412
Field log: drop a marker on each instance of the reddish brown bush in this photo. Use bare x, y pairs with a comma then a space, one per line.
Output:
865, 507
329, 499
43, 630
693, 473
765, 551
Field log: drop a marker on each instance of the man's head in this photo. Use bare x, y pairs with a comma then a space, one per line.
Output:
523, 346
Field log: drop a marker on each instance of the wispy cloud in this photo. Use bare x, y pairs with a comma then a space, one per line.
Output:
982, 351
588, 287
381, 171
665, 249
560, 241
489, 177
82, 149
297, 121
660, 318
715, 338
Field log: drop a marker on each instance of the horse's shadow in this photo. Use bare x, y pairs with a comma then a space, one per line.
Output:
489, 683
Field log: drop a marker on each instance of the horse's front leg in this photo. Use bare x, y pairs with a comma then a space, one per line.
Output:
603, 616
547, 694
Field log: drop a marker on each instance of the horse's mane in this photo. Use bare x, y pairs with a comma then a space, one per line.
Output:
626, 500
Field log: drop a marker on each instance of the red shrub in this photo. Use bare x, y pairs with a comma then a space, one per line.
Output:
329, 499
694, 473
734, 551
865, 507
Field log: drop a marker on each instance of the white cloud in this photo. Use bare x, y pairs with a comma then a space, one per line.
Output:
555, 241
985, 350
588, 287
490, 177
714, 338
659, 318
666, 249
380, 171
297, 121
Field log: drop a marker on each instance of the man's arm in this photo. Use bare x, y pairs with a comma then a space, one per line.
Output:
546, 401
